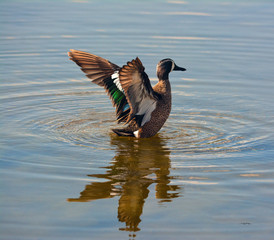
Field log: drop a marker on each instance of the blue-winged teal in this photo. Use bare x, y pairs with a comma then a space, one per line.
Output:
144, 108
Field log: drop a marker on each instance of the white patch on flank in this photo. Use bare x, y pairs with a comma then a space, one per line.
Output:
146, 107
148, 113
116, 80
136, 133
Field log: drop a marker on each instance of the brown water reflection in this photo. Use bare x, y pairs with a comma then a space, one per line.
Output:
136, 165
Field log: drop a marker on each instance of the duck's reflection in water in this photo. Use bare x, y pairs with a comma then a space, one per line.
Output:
137, 165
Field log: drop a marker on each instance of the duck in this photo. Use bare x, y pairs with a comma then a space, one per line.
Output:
142, 108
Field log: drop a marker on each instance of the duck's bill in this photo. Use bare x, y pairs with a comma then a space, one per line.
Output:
176, 68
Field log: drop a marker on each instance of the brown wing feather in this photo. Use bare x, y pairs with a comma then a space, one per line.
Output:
95, 67
139, 93
100, 70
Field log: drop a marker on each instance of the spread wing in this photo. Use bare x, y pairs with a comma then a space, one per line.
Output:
104, 73
138, 91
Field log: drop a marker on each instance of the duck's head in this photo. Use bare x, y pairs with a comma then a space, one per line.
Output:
165, 66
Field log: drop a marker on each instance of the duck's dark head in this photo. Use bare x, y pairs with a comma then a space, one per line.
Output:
165, 66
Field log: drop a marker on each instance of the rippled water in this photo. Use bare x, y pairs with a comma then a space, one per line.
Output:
208, 174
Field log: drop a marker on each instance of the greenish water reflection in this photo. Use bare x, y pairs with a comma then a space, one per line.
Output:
136, 165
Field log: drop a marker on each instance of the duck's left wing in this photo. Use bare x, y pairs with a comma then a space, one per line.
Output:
139, 93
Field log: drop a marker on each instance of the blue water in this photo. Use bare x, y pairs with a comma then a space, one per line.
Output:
208, 174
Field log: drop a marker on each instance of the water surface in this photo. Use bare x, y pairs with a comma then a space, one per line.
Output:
208, 174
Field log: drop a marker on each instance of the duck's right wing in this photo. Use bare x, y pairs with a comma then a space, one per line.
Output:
104, 73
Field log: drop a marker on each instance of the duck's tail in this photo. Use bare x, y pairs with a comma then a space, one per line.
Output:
123, 132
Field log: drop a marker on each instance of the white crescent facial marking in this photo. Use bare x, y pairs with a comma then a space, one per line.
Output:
173, 66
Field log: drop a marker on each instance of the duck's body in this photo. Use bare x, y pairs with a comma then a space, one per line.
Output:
144, 108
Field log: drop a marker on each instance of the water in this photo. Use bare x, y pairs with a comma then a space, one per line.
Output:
208, 174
